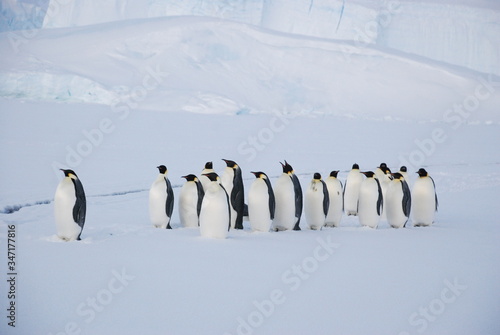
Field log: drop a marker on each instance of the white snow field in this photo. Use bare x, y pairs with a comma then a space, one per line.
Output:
114, 98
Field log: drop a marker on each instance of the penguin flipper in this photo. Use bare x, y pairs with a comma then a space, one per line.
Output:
272, 199
435, 193
298, 200
169, 204
380, 200
201, 194
80, 207
326, 199
406, 198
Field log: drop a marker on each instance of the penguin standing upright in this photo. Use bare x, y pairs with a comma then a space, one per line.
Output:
370, 201
316, 203
334, 186
261, 203
397, 201
70, 206
351, 190
232, 181
209, 168
190, 198
161, 200
289, 202
215, 213
424, 199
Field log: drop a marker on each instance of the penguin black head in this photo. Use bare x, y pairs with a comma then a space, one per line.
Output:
212, 176
259, 174
383, 166
422, 173
190, 177
162, 169
368, 174
230, 164
397, 175
287, 168
69, 173
334, 173
403, 169
209, 165
317, 176
355, 166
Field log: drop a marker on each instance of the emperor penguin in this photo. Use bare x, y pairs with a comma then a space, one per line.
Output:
424, 198
351, 190
261, 203
334, 186
316, 203
370, 201
397, 201
383, 174
209, 168
232, 181
190, 198
215, 213
70, 206
289, 200
161, 200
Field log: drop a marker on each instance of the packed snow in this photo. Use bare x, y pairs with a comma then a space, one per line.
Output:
247, 81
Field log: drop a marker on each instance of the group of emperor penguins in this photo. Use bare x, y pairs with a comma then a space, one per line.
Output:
217, 204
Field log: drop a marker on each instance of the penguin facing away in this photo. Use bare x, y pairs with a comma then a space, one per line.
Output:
289, 202
261, 203
424, 199
161, 200
190, 199
404, 172
316, 203
209, 168
215, 213
398, 201
351, 190
370, 201
334, 186
70, 206
232, 181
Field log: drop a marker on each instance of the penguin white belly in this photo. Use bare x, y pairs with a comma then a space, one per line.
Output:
284, 216
367, 206
336, 202
214, 215
157, 204
64, 201
258, 206
351, 193
188, 202
393, 204
313, 207
423, 202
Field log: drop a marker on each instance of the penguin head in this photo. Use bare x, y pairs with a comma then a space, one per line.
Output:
334, 174
212, 176
69, 173
355, 166
260, 174
383, 166
209, 165
397, 176
422, 173
368, 174
162, 169
230, 164
190, 177
317, 176
403, 169
287, 168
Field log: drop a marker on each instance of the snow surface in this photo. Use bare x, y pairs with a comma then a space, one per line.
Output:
114, 100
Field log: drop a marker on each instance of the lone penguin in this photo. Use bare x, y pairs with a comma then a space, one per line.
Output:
261, 203
232, 181
190, 198
209, 168
334, 186
215, 213
70, 206
161, 200
289, 200
397, 201
351, 190
316, 203
424, 199
370, 201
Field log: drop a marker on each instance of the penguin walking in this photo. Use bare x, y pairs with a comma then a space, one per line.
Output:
161, 200
351, 190
289, 200
215, 213
70, 206
335, 193
397, 201
424, 199
316, 203
190, 198
232, 181
209, 168
261, 203
370, 201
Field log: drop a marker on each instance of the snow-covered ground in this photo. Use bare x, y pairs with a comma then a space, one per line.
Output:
114, 100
